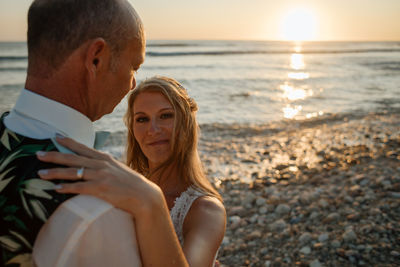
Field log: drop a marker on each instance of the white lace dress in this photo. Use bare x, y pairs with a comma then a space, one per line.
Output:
180, 209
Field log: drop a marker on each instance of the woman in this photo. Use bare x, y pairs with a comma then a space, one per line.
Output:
175, 196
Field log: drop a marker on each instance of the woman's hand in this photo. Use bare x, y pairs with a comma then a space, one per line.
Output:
103, 177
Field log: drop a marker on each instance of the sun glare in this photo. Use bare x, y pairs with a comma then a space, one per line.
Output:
299, 25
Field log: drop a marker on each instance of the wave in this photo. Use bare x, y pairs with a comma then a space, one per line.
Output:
13, 58
386, 65
12, 69
170, 45
239, 52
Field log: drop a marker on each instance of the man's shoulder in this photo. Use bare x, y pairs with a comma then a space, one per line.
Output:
26, 201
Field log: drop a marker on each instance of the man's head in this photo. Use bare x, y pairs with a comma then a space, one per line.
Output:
57, 27
93, 45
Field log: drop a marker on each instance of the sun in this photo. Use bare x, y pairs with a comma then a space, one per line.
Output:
299, 24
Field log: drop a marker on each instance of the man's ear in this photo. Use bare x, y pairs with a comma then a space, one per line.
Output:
97, 56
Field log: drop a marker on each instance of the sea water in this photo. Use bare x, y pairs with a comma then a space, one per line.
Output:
254, 82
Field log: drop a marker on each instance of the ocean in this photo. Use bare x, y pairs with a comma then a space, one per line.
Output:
254, 82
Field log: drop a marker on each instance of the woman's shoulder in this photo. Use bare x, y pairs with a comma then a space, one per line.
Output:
206, 203
206, 209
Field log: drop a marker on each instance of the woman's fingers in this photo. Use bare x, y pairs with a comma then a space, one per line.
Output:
66, 174
80, 149
76, 188
70, 160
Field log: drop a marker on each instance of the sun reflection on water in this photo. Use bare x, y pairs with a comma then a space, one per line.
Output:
298, 75
290, 112
297, 62
292, 93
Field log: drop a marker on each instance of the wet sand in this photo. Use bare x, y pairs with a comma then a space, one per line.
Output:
318, 193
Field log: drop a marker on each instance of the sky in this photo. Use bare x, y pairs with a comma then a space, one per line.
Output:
315, 20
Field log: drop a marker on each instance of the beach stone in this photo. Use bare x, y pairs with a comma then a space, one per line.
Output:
348, 199
314, 215
395, 194
256, 234
333, 217
282, 209
248, 199
335, 244
349, 236
323, 237
323, 203
315, 263
278, 226
305, 250
305, 238
263, 210
260, 201
235, 221
395, 253
226, 240
253, 218
236, 210
267, 263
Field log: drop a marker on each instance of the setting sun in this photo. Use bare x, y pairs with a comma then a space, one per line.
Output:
299, 25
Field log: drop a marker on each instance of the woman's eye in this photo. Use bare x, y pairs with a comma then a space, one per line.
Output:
141, 119
167, 115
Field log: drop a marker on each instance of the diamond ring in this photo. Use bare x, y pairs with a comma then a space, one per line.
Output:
79, 172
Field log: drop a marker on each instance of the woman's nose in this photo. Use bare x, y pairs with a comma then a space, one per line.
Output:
154, 127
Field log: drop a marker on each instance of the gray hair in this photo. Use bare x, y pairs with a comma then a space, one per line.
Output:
57, 27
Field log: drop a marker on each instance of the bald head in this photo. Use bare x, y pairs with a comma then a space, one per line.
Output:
57, 27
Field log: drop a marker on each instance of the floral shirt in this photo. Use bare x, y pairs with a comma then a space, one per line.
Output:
26, 201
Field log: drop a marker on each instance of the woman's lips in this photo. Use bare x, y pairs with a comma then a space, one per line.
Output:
159, 142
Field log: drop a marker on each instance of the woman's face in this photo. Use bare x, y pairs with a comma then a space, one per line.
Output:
153, 124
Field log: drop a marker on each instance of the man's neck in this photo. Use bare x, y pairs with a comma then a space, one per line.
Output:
60, 91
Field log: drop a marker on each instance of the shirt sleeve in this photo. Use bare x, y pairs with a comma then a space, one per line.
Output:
84, 232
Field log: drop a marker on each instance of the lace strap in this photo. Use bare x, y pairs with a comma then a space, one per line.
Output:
181, 207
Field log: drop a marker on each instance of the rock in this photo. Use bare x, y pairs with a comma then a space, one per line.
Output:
314, 215
267, 263
226, 240
349, 236
323, 237
335, 244
260, 201
248, 199
305, 238
333, 217
236, 210
395, 194
395, 253
263, 210
323, 203
315, 263
282, 209
255, 235
305, 250
235, 221
253, 218
278, 226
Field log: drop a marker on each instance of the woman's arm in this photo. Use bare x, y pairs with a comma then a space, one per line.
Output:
114, 182
203, 231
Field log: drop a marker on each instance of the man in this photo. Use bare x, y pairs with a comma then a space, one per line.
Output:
82, 57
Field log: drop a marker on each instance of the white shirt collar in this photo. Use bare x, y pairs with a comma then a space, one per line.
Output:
65, 120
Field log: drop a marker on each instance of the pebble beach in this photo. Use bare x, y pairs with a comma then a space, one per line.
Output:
312, 193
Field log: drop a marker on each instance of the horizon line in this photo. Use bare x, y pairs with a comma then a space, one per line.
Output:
253, 40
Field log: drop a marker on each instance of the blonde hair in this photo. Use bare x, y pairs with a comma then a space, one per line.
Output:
184, 155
